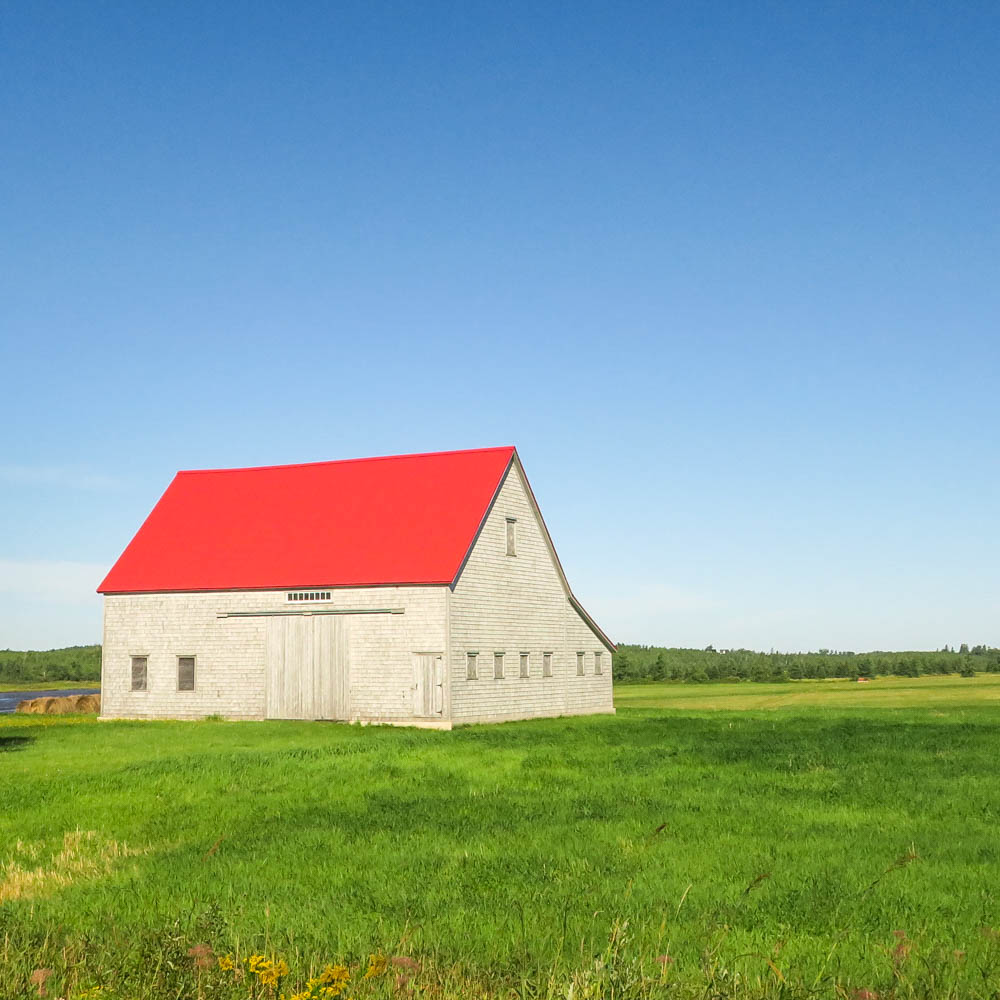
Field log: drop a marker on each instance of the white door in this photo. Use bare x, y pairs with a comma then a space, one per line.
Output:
306, 667
428, 685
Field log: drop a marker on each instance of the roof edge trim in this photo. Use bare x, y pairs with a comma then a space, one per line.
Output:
346, 461
283, 586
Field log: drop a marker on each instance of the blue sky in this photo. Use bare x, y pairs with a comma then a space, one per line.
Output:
726, 274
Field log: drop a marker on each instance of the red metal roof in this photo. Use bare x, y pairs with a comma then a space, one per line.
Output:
406, 519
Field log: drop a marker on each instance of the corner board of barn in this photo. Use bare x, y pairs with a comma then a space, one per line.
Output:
423, 590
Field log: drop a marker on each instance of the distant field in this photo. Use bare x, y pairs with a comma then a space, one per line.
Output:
950, 691
50, 685
817, 847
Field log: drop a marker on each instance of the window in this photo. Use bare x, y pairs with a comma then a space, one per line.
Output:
525, 665
185, 673
309, 595
579, 664
471, 666
512, 536
598, 664
546, 664
139, 673
498, 666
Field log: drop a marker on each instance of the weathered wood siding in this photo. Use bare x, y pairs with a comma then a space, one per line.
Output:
517, 604
231, 652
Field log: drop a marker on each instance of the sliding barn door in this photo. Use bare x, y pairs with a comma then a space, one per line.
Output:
428, 684
306, 666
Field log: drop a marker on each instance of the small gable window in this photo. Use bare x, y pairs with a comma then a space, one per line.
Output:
471, 666
579, 664
598, 663
185, 673
512, 536
498, 666
139, 673
546, 664
525, 665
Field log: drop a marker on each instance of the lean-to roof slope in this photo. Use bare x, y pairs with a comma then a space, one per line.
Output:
406, 519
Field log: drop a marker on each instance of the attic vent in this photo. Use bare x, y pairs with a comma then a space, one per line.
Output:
309, 595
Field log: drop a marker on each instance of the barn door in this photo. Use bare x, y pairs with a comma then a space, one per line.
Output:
330, 667
428, 684
306, 667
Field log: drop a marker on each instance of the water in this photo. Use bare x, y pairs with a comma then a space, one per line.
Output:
9, 699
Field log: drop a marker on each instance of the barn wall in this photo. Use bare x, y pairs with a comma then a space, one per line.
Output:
515, 604
230, 651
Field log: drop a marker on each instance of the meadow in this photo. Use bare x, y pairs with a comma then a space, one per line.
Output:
56, 683
843, 844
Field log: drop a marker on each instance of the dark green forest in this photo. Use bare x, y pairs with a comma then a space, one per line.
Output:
657, 663
74, 663
631, 663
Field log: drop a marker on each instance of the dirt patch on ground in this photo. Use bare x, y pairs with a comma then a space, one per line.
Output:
74, 704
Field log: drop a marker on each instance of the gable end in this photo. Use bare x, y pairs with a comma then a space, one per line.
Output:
515, 462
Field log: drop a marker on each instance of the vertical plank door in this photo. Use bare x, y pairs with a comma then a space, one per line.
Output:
331, 667
428, 685
306, 667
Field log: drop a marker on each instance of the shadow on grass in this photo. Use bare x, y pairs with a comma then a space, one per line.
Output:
11, 743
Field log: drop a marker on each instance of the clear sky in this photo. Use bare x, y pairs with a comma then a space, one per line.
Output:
728, 275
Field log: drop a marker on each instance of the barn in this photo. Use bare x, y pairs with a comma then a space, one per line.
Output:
413, 589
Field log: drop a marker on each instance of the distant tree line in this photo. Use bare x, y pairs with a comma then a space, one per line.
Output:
74, 663
658, 663
631, 663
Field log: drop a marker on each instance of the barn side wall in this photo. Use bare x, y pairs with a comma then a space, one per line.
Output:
517, 604
229, 673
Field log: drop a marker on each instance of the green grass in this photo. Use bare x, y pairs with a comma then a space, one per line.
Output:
48, 685
947, 692
764, 851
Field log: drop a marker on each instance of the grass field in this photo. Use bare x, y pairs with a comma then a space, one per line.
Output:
48, 685
947, 692
844, 844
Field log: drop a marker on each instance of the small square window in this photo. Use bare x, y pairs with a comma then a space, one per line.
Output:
185, 673
546, 664
512, 536
498, 666
471, 666
579, 664
139, 664
598, 663
525, 665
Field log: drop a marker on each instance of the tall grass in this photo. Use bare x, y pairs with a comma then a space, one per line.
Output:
657, 853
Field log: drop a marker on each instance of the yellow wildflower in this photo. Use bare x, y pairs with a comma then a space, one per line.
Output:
269, 972
226, 962
334, 975
256, 962
377, 965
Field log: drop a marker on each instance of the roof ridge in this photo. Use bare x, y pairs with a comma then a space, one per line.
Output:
348, 461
